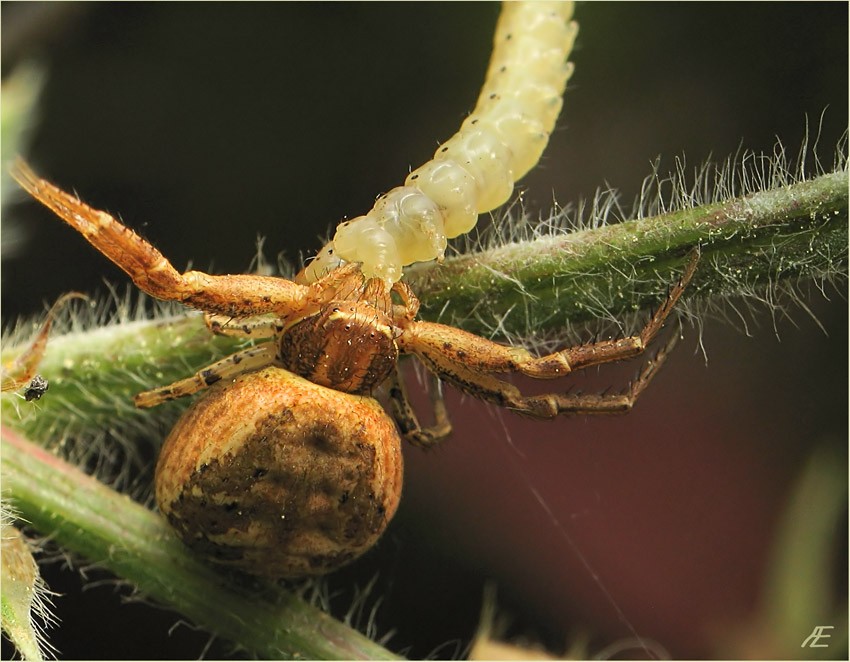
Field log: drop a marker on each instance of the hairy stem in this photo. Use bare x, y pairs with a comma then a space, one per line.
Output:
798, 231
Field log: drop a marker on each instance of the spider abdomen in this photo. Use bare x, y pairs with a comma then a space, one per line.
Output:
280, 477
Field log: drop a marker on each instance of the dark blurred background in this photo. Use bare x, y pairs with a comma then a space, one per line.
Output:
205, 125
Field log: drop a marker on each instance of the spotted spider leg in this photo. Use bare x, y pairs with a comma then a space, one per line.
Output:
406, 418
466, 361
254, 327
246, 360
251, 358
231, 295
475, 170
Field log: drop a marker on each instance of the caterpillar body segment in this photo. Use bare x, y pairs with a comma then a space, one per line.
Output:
475, 170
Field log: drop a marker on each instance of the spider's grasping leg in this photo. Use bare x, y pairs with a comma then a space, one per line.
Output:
227, 295
245, 360
549, 405
467, 361
447, 348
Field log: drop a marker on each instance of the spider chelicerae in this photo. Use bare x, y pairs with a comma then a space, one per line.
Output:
287, 466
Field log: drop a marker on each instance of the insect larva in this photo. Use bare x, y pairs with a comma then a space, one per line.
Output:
475, 170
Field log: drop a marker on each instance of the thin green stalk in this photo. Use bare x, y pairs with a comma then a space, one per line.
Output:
108, 528
761, 240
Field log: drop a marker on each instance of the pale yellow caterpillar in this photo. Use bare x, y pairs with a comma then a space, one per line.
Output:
475, 170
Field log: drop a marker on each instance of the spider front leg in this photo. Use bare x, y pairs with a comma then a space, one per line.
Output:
550, 405
252, 358
234, 295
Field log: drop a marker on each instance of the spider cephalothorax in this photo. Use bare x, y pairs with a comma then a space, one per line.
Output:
286, 466
349, 345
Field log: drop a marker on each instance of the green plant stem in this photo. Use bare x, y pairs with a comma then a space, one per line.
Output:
108, 528
761, 240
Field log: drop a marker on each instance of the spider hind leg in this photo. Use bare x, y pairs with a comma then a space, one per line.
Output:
406, 418
468, 362
550, 405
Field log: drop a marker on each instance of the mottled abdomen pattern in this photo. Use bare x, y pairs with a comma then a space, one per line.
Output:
475, 170
279, 477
